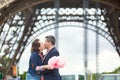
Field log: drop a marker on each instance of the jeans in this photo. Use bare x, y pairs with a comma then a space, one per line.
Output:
31, 77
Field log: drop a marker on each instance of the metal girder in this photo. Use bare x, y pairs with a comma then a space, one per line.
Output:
23, 20
17, 7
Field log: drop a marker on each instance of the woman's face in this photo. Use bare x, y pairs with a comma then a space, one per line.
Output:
42, 46
46, 43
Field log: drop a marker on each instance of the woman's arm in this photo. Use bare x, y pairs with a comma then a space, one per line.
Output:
43, 67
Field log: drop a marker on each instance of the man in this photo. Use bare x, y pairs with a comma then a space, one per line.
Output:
51, 74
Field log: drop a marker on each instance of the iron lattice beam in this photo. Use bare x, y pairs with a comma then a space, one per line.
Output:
23, 20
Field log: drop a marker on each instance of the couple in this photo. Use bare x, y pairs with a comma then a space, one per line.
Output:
38, 65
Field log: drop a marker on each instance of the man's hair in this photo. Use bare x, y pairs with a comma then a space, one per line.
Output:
51, 38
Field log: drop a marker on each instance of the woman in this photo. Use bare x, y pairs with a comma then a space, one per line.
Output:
35, 60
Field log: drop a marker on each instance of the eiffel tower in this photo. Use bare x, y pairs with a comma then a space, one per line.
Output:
23, 20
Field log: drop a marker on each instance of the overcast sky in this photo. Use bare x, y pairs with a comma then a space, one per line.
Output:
71, 49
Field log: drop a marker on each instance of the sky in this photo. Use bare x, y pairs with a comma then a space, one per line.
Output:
71, 46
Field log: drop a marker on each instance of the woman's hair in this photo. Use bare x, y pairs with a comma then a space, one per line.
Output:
35, 45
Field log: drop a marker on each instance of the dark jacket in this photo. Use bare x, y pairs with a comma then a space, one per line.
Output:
34, 61
51, 74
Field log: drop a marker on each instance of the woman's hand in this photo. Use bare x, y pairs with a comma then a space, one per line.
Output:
47, 67
38, 68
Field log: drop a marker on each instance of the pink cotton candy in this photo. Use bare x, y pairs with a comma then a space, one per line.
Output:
56, 62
